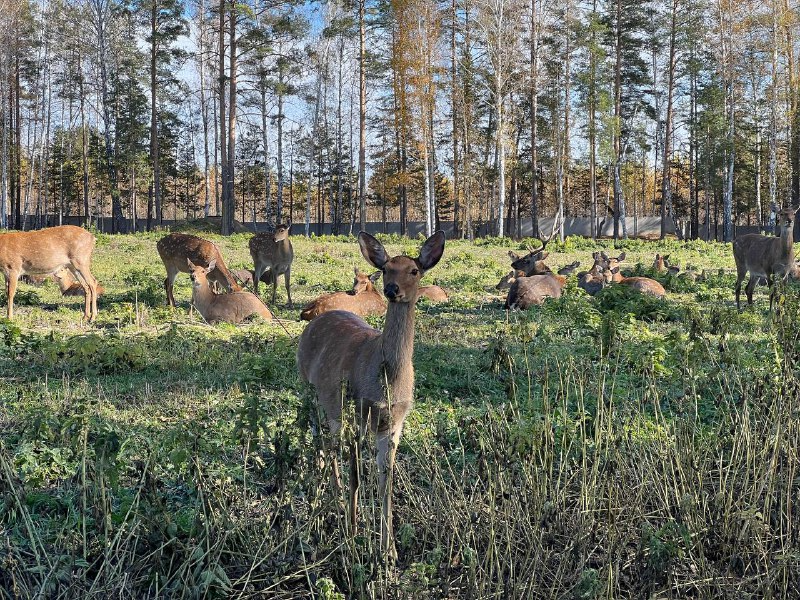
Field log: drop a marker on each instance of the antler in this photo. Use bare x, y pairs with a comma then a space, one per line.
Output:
556, 227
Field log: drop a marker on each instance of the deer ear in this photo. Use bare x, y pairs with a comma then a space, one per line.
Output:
615, 270
211, 266
604, 256
621, 257
374, 277
658, 256
544, 255
355, 271
372, 250
666, 257
513, 255
190, 263
431, 251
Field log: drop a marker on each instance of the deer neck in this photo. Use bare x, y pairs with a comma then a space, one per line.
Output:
202, 295
397, 341
787, 241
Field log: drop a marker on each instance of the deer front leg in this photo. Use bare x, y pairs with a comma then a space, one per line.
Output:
11, 290
387, 448
287, 276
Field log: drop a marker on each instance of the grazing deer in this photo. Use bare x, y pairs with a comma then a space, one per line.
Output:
533, 290
644, 285
45, 252
363, 300
176, 249
765, 256
273, 252
228, 308
339, 352
433, 293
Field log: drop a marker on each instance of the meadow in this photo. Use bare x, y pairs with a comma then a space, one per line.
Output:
610, 447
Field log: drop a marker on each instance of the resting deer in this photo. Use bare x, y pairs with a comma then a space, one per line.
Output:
661, 264
533, 290
228, 308
569, 269
433, 293
339, 352
176, 249
69, 286
363, 300
273, 252
612, 263
48, 251
765, 256
644, 285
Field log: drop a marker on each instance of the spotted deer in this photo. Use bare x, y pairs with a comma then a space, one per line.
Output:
340, 354
273, 252
363, 299
176, 249
48, 251
765, 256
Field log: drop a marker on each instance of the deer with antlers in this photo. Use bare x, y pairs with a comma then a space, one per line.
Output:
177, 249
340, 354
48, 251
765, 256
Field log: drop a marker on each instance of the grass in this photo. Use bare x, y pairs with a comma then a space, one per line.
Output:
588, 448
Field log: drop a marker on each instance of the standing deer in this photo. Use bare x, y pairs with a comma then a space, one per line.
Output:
644, 285
765, 256
273, 252
228, 308
45, 252
176, 249
362, 300
339, 351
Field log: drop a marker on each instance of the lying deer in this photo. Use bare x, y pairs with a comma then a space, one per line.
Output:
68, 285
644, 285
532, 291
48, 251
339, 353
227, 308
177, 249
433, 293
613, 262
569, 269
273, 252
765, 256
661, 264
363, 300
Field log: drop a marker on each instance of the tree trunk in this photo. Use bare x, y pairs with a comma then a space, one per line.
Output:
362, 117
666, 189
154, 158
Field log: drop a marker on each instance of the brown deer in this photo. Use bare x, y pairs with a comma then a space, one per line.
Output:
273, 252
765, 256
69, 286
569, 269
433, 293
363, 300
611, 263
592, 281
661, 264
533, 290
644, 285
45, 252
227, 308
176, 249
339, 352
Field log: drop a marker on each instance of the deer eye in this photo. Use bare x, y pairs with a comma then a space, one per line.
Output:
415, 271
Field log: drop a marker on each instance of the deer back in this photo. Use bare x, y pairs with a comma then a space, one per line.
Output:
532, 291
176, 249
433, 293
44, 251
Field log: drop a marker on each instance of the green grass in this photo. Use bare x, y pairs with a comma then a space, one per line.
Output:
619, 446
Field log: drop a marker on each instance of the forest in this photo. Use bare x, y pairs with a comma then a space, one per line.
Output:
482, 113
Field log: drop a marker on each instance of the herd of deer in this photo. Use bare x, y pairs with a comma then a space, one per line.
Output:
343, 357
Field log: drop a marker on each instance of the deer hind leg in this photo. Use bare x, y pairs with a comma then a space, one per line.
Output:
387, 448
169, 284
751, 285
84, 276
